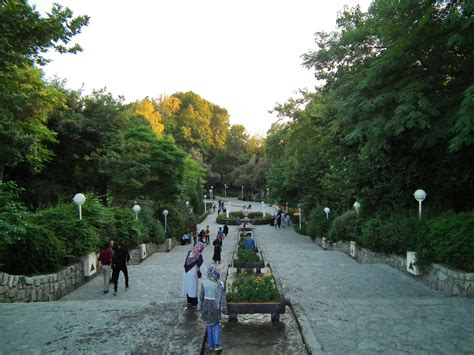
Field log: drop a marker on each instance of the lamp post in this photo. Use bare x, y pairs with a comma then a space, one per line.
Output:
263, 209
286, 207
268, 192
136, 208
327, 210
356, 205
205, 196
225, 190
242, 192
420, 196
212, 192
299, 214
79, 200
227, 211
165, 213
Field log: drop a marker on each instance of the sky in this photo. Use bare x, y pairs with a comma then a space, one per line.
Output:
242, 55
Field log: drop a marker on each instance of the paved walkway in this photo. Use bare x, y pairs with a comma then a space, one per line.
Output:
343, 307
349, 308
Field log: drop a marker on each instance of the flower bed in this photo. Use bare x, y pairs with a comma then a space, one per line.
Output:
255, 294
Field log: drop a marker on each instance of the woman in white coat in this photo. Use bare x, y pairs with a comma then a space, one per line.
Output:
192, 273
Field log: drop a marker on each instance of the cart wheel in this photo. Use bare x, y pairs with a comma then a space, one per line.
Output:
275, 317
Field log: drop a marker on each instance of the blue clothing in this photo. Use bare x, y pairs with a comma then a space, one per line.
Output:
249, 243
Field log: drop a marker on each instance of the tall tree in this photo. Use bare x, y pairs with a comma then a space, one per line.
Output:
25, 100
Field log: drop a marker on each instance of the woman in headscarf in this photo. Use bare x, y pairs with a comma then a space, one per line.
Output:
217, 249
212, 303
191, 273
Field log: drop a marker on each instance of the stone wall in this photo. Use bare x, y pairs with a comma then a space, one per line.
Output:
19, 288
449, 281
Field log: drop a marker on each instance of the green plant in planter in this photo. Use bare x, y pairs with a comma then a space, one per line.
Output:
252, 288
247, 255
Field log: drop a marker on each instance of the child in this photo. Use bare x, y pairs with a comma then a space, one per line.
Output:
211, 303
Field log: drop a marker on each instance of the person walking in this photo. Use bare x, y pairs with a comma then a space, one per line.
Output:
217, 249
208, 235
212, 303
105, 264
119, 263
225, 229
278, 218
192, 273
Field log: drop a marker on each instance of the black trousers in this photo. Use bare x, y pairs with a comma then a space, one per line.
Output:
193, 301
115, 275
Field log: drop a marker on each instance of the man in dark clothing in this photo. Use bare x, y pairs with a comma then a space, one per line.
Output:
119, 263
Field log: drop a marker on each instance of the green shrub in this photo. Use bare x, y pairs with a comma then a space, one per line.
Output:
393, 235
12, 215
450, 238
100, 217
128, 231
178, 221
154, 230
345, 227
79, 237
247, 255
256, 218
317, 225
38, 251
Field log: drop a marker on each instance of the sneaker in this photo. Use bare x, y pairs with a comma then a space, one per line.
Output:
115, 293
218, 348
106, 292
211, 348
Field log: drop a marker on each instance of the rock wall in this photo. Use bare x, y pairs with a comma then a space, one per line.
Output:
449, 281
19, 288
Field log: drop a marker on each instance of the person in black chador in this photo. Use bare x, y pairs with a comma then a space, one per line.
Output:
225, 230
119, 263
217, 249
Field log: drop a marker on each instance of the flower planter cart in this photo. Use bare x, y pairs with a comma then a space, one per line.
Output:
273, 308
246, 265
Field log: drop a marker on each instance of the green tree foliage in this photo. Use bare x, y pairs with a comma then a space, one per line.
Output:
25, 100
394, 113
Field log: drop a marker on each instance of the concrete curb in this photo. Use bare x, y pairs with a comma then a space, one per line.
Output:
309, 339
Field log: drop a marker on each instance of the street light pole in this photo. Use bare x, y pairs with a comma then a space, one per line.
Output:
165, 213
242, 192
263, 209
136, 208
225, 190
299, 214
356, 205
79, 200
212, 192
420, 196
205, 196
327, 210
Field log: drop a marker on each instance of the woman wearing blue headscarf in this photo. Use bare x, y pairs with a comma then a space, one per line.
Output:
212, 303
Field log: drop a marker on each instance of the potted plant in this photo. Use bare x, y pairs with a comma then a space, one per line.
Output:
250, 293
247, 259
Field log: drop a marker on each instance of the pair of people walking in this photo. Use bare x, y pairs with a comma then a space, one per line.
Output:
115, 261
210, 301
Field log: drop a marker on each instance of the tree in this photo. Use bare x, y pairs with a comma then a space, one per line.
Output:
25, 100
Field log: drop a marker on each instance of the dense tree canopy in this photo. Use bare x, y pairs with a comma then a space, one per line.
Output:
394, 113
25, 100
